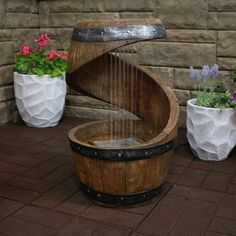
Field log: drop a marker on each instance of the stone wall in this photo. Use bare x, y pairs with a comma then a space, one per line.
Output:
18, 19
199, 32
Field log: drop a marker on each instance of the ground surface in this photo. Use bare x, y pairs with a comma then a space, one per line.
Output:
40, 195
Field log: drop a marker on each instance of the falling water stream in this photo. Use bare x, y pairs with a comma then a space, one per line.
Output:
125, 84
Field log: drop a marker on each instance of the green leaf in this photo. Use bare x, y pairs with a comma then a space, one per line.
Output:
39, 71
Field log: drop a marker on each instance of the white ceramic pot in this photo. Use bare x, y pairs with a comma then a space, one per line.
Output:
211, 132
40, 99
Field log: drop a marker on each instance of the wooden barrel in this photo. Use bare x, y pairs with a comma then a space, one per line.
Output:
128, 167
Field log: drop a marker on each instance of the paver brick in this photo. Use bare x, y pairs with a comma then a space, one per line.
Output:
55, 196
222, 225
72, 181
182, 157
60, 174
86, 227
4, 177
191, 225
216, 182
210, 233
41, 170
44, 216
7, 207
12, 168
17, 227
171, 178
203, 165
227, 208
195, 193
232, 189
63, 159
30, 184
142, 210
233, 180
24, 160
161, 221
192, 177
174, 169
227, 166
138, 234
113, 216
75, 204
50, 153
188, 204
18, 194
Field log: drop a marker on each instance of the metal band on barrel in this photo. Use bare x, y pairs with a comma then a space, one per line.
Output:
121, 200
115, 33
122, 154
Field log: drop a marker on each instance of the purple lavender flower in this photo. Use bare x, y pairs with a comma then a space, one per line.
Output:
214, 70
205, 71
234, 96
194, 75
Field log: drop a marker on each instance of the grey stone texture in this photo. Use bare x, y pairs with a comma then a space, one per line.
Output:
6, 77
226, 43
17, 20
227, 20
190, 36
2, 13
6, 50
227, 5
213, 5
75, 6
164, 73
19, 6
198, 32
212, 20
183, 13
182, 96
176, 54
127, 6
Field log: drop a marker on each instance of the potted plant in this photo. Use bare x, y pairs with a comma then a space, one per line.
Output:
39, 83
211, 117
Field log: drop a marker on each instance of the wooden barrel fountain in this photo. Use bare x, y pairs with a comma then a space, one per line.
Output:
121, 161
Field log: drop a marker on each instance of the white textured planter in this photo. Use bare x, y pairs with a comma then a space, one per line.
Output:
211, 132
40, 99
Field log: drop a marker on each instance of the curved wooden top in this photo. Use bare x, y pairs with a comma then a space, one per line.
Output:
81, 52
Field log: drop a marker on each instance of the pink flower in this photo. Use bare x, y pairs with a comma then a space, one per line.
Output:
25, 49
41, 42
42, 39
64, 55
51, 55
35, 50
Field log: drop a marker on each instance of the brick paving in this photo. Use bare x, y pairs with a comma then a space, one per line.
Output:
40, 193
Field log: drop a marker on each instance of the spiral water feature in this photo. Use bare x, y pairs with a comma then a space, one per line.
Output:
121, 160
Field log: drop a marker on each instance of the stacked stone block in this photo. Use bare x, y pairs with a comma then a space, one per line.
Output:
18, 20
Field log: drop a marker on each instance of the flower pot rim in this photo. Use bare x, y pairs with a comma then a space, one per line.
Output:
191, 102
44, 75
